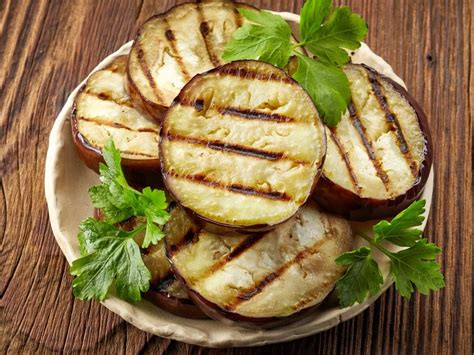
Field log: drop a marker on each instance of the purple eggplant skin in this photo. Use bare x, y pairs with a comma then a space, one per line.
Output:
181, 307
337, 199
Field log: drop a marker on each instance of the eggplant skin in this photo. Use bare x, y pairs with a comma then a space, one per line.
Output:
263, 280
335, 198
138, 171
249, 139
178, 303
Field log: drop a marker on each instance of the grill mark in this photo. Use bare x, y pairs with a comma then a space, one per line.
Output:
368, 146
254, 75
117, 125
226, 147
254, 115
146, 71
236, 252
345, 157
391, 119
172, 43
236, 188
204, 30
238, 18
106, 97
138, 154
248, 294
187, 239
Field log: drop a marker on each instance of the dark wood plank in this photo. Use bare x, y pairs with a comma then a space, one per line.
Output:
47, 47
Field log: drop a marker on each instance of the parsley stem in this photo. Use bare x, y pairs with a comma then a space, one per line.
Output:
377, 245
137, 230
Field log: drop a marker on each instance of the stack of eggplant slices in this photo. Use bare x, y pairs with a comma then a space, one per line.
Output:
261, 190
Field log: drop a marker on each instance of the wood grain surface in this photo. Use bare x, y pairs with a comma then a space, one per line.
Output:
46, 49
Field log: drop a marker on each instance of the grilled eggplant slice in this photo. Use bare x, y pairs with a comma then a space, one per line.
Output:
379, 156
242, 146
172, 47
103, 109
166, 291
264, 279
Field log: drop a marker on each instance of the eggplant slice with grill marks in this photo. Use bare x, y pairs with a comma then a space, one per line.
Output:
264, 279
172, 47
242, 146
379, 156
103, 110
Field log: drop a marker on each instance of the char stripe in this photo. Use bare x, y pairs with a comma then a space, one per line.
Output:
391, 119
105, 97
254, 115
146, 71
236, 188
238, 19
254, 75
344, 156
231, 148
236, 252
172, 43
248, 294
204, 30
187, 239
117, 125
368, 146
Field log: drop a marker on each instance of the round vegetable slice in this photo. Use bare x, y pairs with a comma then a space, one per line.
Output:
172, 47
379, 155
242, 146
103, 110
263, 279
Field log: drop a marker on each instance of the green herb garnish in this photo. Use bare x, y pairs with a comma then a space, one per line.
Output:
411, 267
326, 31
111, 256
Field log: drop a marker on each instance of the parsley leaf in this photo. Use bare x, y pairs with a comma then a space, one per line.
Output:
343, 30
324, 31
362, 277
400, 230
313, 13
111, 256
327, 85
416, 266
409, 268
118, 201
267, 39
113, 259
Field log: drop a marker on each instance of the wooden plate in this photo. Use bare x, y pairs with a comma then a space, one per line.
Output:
66, 183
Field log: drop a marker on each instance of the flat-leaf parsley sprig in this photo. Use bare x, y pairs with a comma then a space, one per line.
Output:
325, 31
412, 267
111, 256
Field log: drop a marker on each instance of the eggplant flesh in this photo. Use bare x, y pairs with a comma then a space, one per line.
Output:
265, 277
379, 155
242, 146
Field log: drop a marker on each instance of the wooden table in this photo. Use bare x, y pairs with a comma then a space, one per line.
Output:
47, 47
